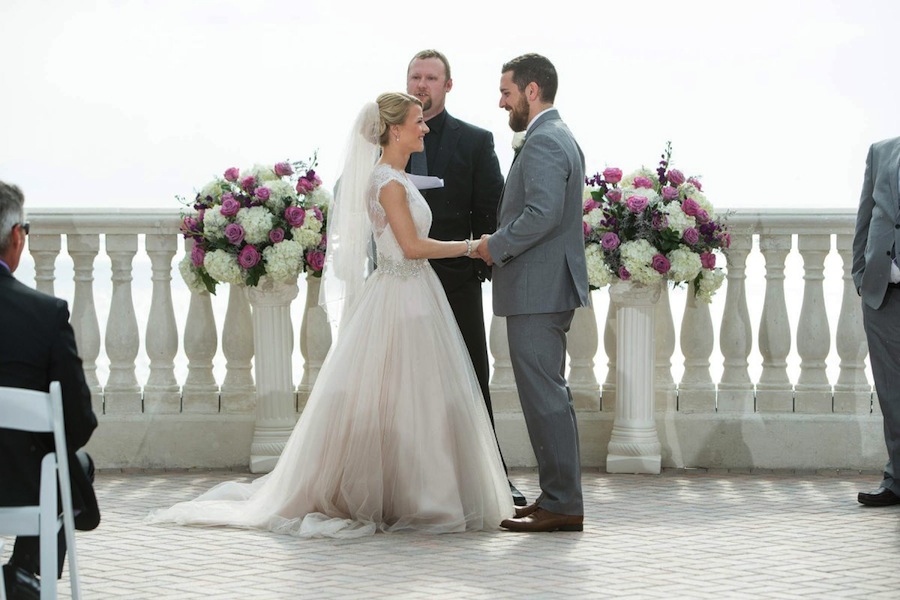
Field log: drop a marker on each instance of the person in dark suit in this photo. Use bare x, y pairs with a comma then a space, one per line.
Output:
876, 274
540, 278
465, 207
38, 348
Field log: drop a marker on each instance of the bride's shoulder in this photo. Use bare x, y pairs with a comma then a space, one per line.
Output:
384, 174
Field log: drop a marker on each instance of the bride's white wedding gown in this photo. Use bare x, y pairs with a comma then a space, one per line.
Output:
395, 434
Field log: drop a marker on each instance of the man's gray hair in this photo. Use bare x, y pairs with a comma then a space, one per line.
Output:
12, 212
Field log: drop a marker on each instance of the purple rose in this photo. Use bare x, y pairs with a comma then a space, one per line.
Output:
590, 204
276, 235
725, 238
283, 169
660, 264
230, 206
249, 256
315, 259
318, 212
232, 174
624, 275
696, 183
612, 175
614, 195
660, 221
247, 183
263, 193
637, 204
295, 216
690, 207
691, 236
234, 233
609, 241
669, 193
587, 229
197, 255
702, 216
675, 177
643, 182
708, 260
190, 226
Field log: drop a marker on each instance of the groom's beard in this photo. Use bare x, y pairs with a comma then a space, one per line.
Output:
518, 116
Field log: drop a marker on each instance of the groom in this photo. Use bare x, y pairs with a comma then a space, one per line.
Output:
539, 279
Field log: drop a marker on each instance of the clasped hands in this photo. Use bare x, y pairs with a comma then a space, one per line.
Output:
482, 251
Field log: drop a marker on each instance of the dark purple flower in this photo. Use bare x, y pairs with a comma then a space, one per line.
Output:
230, 206
675, 177
660, 264
624, 275
283, 169
249, 256
295, 216
708, 260
247, 183
232, 174
276, 235
660, 221
234, 233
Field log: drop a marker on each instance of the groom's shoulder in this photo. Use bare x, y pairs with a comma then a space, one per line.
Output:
889, 143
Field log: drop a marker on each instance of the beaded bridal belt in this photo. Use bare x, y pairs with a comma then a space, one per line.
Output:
400, 268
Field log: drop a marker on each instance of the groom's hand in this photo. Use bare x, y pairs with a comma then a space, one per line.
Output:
483, 251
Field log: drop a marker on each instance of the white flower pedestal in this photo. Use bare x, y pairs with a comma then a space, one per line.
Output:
634, 445
272, 345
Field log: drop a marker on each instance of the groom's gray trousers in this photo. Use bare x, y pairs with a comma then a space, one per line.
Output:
537, 348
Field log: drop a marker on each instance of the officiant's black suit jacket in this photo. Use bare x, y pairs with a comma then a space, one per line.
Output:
37, 346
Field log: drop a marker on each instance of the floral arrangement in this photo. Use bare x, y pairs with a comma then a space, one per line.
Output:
652, 226
269, 220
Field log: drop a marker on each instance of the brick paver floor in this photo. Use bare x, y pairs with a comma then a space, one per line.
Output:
683, 534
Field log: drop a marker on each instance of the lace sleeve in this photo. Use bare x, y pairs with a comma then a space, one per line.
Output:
381, 176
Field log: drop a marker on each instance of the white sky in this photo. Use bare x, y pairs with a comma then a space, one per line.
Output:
130, 103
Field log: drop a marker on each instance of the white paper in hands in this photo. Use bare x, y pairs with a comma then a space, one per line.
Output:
425, 182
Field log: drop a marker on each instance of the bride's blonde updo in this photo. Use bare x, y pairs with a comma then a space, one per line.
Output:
393, 108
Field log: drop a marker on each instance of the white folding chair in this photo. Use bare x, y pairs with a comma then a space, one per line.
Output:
28, 410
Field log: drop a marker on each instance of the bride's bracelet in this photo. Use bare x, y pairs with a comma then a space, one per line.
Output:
468, 248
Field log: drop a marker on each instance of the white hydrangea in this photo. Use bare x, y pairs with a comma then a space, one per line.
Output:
599, 274
651, 195
710, 281
283, 260
593, 218
312, 222
685, 264
213, 189
279, 189
264, 173
214, 224
320, 197
637, 257
222, 266
678, 221
628, 180
189, 274
306, 237
257, 222
706, 205
586, 194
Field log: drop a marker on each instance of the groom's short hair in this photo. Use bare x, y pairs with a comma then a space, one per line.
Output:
536, 68
422, 55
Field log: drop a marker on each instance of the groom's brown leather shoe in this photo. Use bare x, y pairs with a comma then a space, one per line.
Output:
544, 520
524, 511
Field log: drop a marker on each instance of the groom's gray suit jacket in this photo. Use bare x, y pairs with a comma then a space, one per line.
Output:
878, 222
538, 249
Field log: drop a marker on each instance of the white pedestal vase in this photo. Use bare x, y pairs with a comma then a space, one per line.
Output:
273, 342
634, 445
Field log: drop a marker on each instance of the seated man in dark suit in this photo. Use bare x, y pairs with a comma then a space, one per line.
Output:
37, 346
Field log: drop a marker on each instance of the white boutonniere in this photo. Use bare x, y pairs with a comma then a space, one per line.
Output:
518, 140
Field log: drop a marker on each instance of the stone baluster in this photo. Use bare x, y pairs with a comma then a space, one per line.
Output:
736, 335
315, 339
238, 390
696, 392
200, 393
44, 248
582, 347
774, 392
122, 394
504, 396
83, 248
812, 393
664, 336
608, 389
162, 393
852, 391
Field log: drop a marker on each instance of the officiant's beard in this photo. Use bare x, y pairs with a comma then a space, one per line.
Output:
518, 115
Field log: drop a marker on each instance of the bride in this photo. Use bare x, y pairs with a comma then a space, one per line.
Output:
395, 435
